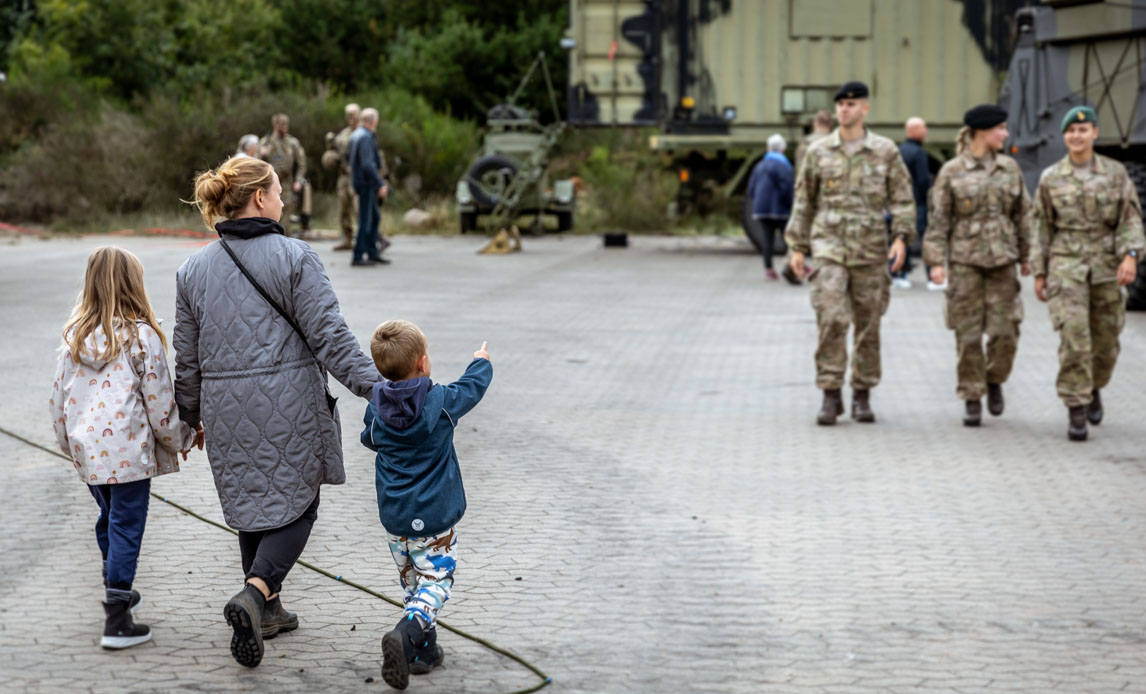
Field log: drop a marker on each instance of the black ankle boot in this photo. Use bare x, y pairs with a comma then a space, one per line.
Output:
833, 407
428, 655
276, 619
119, 629
399, 647
861, 406
1094, 409
974, 413
136, 598
995, 401
1077, 430
244, 614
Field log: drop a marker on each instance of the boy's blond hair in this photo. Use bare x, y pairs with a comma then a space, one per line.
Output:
396, 347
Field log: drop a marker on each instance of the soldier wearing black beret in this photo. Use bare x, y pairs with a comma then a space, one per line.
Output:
846, 183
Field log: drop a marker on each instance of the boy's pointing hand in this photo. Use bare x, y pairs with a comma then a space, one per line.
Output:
481, 353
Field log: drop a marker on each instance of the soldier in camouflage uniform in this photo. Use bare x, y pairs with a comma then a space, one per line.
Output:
347, 200
286, 156
821, 128
979, 228
1088, 241
846, 183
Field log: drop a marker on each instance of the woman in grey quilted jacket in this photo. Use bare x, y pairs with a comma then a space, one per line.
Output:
257, 329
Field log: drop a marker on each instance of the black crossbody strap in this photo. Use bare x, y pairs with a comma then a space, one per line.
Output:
262, 292
330, 399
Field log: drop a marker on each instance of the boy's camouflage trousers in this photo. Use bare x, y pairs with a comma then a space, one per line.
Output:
426, 570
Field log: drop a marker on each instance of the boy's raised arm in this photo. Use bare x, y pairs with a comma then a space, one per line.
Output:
463, 394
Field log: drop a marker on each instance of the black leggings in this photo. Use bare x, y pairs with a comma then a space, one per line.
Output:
270, 554
771, 227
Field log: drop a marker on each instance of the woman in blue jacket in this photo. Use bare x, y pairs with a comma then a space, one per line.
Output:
771, 189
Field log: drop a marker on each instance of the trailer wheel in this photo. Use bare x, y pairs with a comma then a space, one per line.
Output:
492, 174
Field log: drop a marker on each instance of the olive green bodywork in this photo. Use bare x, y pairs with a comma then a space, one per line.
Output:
718, 77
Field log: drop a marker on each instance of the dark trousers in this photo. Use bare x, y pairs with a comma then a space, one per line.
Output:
270, 554
366, 243
119, 528
772, 226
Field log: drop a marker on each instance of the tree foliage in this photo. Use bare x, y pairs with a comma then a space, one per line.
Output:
460, 56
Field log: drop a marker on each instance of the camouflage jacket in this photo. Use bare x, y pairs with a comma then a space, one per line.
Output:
342, 146
978, 217
1097, 221
802, 148
285, 155
838, 211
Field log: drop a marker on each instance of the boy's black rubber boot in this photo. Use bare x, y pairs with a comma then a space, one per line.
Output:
428, 655
398, 648
120, 630
244, 613
276, 619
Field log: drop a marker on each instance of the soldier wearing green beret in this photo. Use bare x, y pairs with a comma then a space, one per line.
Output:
1088, 241
846, 183
979, 229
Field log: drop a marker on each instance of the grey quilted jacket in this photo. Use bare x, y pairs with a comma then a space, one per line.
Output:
243, 371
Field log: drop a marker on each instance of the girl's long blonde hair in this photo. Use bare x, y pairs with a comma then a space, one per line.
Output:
113, 298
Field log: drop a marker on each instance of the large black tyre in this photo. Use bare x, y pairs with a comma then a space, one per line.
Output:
1136, 292
491, 170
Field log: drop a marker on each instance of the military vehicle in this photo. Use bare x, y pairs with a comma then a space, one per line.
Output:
715, 78
1070, 53
509, 177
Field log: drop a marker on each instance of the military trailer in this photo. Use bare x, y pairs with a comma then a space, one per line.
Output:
510, 177
1070, 53
717, 77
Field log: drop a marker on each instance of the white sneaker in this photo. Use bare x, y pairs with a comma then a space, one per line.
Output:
932, 287
901, 283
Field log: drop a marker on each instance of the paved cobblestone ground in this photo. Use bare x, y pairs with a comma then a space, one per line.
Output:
651, 507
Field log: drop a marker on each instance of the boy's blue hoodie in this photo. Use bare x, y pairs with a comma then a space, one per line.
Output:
411, 426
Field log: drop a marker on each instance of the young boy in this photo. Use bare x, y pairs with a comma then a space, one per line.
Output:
410, 423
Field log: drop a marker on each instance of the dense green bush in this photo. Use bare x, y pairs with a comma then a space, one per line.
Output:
92, 159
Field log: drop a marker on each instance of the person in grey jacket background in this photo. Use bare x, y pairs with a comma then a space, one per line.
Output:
257, 381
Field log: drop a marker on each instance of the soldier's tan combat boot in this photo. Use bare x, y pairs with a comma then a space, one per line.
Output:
1077, 430
995, 398
833, 407
974, 413
861, 406
1094, 409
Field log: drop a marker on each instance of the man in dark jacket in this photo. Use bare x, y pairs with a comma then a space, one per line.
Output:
916, 160
770, 186
366, 177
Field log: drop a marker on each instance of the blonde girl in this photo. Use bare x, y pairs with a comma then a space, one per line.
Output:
113, 411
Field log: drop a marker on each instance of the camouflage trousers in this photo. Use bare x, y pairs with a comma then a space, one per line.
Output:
1089, 318
983, 300
347, 208
290, 204
426, 571
842, 296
